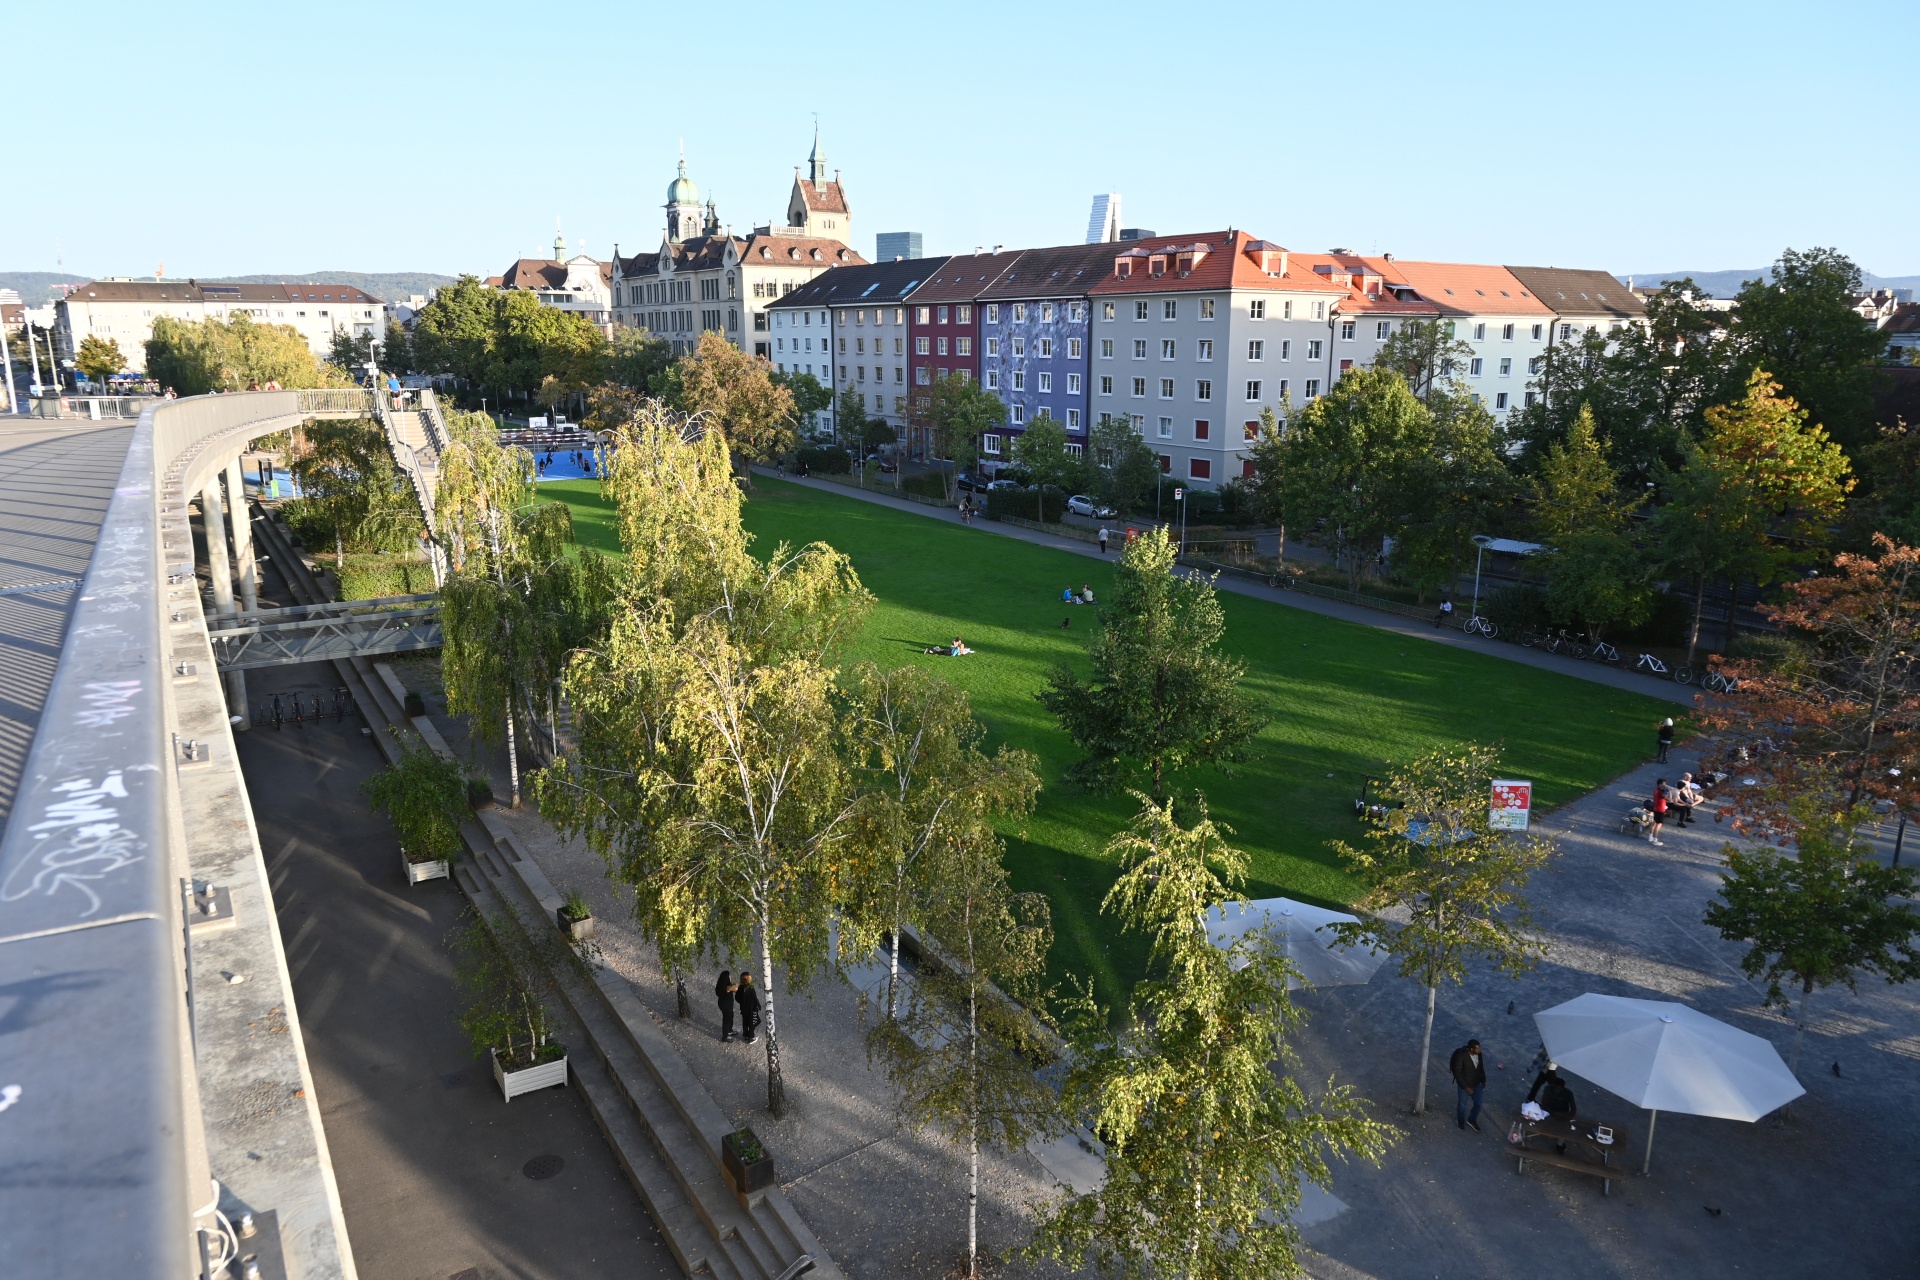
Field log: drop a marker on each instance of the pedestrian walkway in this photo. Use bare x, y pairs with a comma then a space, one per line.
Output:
1593, 673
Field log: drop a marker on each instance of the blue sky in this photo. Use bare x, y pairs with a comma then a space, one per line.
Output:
447, 137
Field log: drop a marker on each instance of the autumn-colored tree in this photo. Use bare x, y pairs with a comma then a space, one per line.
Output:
1832, 714
735, 394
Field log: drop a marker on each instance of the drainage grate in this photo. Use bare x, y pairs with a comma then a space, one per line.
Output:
543, 1167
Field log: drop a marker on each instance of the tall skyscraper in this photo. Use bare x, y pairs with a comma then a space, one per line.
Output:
889, 245
1103, 226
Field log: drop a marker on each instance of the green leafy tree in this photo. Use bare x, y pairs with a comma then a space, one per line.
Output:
850, 418
1434, 858
454, 333
1352, 458
350, 352
710, 766
99, 358
1207, 1145
954, 413
1121, 469
1596, 573
1041, 451
735, 394
1425, 354
426, 796
963, 1053
197, 356
396, 349
352, 494
639, 361
1162, 697
1455, 490
1801, 327
1890, 469
505, 978
925, 785
877, 434
810, 399
1825, 915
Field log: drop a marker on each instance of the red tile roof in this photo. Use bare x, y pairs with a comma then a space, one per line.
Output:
1368, 292
812, 251
1463, 288
1214, 260
825, 198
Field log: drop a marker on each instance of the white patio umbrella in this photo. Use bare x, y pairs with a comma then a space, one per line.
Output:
1667, 1057
1294, 926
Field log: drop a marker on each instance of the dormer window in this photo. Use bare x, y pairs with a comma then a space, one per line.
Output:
1157, 265
1123, 268
816, 255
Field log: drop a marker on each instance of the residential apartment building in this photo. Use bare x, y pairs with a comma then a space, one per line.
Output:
1035, 320
943, 331
125, 310
703, 279
1490, 310
1193, 336
578, 285
849, 328
1363, 321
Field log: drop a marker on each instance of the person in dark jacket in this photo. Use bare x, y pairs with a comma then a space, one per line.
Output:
1555, 1098
749, 1000
723, 992
1469, 1070
1665, 738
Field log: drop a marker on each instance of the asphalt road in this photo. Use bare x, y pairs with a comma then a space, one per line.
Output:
428, 1157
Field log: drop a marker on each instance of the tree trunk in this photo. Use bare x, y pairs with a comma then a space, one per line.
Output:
1426, 1051
776, 1085
893, 975
973, 1132
1699, 604
339, 551
681, 1006
513, 756
1800, 1028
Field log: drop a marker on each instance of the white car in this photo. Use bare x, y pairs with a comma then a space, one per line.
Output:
1081, 505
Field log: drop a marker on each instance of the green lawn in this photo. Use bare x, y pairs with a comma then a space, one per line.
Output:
1346, 699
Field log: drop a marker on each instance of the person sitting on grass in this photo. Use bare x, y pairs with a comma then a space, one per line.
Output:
1086, 593
1067, 596
959, 649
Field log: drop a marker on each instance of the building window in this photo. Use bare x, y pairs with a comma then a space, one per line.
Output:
1313, 387
1319, 311
1019, 413
1383, 330
1073, 384
941, 314
1249, 431
1166, 464
1253, 390
1203, 390
1106, 348
1019, 346
843, 373
1283, 389
1313, 349
993, 313
1170, 309
1139, 388
1529, 399
1506, 334
1139, 348
879, 403
1566, 332
1046, 382
1480, 333
1536, 333
1476, 367
922, 345
963, 315
920, 373
1046, 313
1345, 365
1202, 429
1166, 428
1256, 349
1106, 311
1200, 468
859, 373
1019, 312
993, 346
1166, 388
1506, 367
1346, 331
1019, 381
1500, 401
1106, 386
1140, 310
1073, 422
1286, 349
1257, 309
990, 443
993, 379
940, 347
1169, 349
920, 314
1046, 348
1076, 312
963, 346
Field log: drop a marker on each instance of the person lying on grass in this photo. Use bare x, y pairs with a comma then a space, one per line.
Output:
958, 649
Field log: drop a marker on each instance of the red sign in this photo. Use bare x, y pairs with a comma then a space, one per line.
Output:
1512, 805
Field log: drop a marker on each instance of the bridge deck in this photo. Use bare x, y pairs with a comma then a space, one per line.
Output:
55, 482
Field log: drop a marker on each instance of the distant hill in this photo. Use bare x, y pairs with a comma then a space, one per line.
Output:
36, 288
1726, 284
388, 286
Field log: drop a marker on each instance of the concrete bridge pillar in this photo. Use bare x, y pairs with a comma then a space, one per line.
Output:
214, 523
242, 537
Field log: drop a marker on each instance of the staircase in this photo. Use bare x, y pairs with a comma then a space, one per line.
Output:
417, 438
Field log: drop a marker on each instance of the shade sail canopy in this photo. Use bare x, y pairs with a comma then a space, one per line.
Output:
1294, 926
1667, 1057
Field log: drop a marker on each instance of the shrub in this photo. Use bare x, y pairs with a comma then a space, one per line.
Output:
1021, 504
1517, 607
928, 484
426, 797
829, 459
504, 978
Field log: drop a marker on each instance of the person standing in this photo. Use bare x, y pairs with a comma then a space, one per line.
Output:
1658, 807
723, 992
1665, 738
1469, 1070
749, 1002
1103, 539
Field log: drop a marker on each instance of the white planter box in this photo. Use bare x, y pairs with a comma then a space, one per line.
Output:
544, 1076
436, 869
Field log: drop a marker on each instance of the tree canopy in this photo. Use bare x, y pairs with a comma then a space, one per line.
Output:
197, 356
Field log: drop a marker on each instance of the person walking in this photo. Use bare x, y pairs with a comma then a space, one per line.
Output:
723, 991
749, 1001
1103, 539
1665, 738
1658, 807
1469, 1071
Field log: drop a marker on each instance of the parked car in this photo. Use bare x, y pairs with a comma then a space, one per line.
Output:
886, 465
1081, 505
968, 482
1003, 486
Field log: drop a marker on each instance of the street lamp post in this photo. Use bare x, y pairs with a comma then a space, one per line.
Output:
1480, 541
1180, 500
6, 362
1900, 831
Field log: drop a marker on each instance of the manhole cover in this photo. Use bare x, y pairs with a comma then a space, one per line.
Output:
543, 1167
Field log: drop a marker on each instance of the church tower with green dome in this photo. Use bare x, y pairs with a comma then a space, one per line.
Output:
685, 215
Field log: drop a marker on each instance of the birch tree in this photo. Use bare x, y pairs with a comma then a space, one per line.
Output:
1434, 858
1207, 1143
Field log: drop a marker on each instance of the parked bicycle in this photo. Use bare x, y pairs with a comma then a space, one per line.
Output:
1654, 667
1714, 682
1604, 652
1531, 637
1561, 642
1479, 626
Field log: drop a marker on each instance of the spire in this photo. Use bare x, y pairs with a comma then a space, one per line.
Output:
559, 242
817, 161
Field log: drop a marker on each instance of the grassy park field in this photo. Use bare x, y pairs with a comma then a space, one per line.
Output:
1346, 700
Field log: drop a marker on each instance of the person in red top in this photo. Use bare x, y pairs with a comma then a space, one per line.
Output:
1659, 807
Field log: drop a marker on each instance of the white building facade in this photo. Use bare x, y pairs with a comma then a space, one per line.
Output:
125, 311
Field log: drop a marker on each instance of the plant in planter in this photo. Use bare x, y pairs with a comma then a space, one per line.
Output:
747, 1163
576, 917
415, 704
423, 794
507, 1018
479, 793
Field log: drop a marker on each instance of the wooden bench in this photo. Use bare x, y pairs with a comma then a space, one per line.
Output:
1604, 1172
